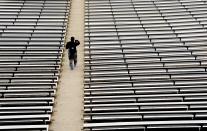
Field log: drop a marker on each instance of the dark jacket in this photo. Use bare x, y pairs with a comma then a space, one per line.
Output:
71, 46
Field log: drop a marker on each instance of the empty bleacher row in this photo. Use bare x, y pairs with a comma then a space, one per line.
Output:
32, 34
145, 65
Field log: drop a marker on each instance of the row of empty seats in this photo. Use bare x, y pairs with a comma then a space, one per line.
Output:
145, 65
32, 34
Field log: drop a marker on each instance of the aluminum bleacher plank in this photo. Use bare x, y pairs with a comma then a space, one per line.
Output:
24, 127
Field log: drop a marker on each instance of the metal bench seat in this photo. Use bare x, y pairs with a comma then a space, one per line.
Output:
167, 3
29, 40
200, 17
146, 97
46, 109
95, 5
146, 112
30, 86
149, 87
161, 22
139, 117
169, 7
143, 56
51, 23
24, 112
9, 10
105, 27
108, 38
144, 125
34, 72
37, 92
31, 78
24, 103
170, 15
34, 49
146, 83
99, 31
53, 13
146, 74
155, 104
35, 26
41, 119
30, 62
198, 8
31, 55
144, 61
122, 9
49, 100
135, 108
23, 68
111, 118
7, 17
143, 82
99, 34
107, 19
178, 17
129, 26
31, 30
121, 21
4, 2
105, 23
174, 48
190, 2
158, 18
166, 40
26, 95
138, 99
152, 36
109, 51
180, 22
156, 27
131, 92
195, 38
200, 53
25, 45
132, 53
98, 93
8, 13
100, 10
189, 31
24, 127
198, 13
146, 15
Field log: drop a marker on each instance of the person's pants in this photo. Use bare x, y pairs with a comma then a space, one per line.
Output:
73, 60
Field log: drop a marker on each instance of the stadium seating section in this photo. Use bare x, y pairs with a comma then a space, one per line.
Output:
145, 65
32, 36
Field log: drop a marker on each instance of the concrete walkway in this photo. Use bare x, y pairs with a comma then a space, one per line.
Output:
68, 109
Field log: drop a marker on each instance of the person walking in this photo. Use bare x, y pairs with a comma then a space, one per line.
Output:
72, 52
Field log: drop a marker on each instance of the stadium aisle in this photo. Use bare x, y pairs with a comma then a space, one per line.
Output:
67, 114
